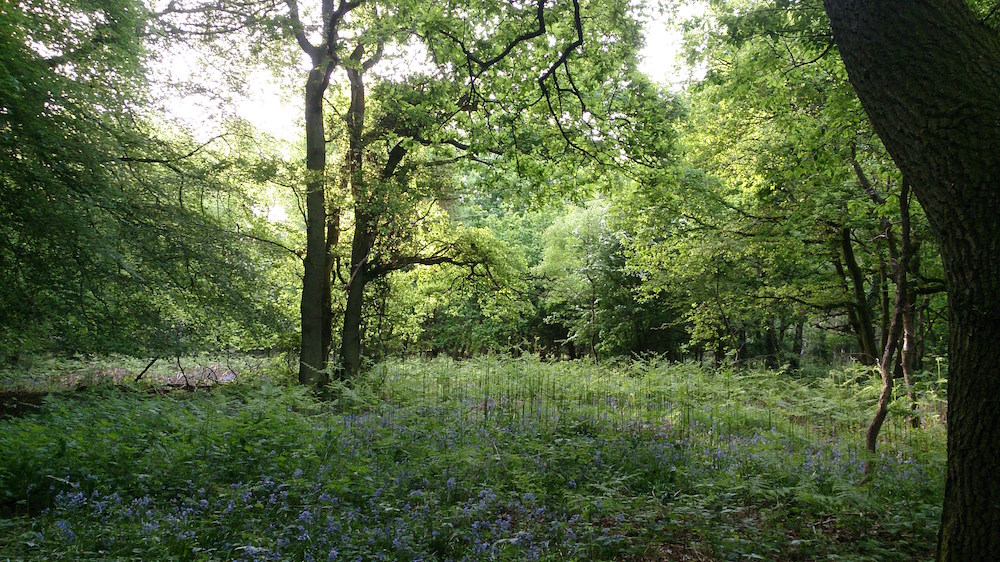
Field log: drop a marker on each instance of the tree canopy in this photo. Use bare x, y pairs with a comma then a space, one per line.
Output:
120, 233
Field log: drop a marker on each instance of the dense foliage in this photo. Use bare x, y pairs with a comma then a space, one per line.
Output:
493, 459
117, 232
754, 216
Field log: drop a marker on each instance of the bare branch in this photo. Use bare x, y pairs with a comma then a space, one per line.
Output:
150, 160
866, 183
269, 242
299, 30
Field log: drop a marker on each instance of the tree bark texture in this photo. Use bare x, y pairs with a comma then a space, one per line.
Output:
928, 75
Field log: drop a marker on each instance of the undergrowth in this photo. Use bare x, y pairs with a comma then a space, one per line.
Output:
491, 459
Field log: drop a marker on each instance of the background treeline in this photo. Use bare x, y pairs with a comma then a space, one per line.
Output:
753, 216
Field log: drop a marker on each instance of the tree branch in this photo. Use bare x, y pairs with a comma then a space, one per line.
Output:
866, 184
150, 160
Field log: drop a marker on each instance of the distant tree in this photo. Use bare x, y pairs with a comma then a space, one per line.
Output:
517, 91
799, 210
522, 96
588, 291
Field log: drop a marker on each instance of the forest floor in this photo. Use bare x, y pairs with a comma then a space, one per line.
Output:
488, 459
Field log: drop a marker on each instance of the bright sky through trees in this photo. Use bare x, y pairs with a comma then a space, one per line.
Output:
661, 58
279, 114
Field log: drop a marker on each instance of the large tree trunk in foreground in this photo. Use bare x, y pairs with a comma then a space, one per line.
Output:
928, 74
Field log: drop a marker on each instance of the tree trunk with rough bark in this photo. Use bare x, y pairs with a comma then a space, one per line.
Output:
928, 75
364, 225
315, 280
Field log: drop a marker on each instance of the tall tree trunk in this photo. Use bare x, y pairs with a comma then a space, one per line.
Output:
350, 343
315, 306
593, 319
863, 313
892, 326
884, 305
740, 346
885, 396
798, 344
900, 256
928, 74
332, 240
720, 347
772, 347
364, 227
315, 280
908, 352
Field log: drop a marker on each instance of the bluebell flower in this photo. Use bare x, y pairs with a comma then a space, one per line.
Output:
306, 516
65, 530
71, 499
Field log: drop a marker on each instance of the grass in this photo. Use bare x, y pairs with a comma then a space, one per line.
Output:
491, 459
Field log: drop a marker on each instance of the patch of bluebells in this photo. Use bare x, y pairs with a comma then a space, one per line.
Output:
393, 487
296, 517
